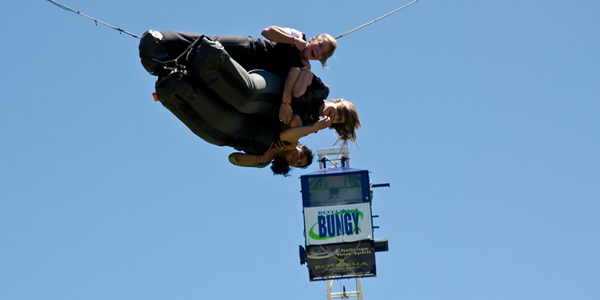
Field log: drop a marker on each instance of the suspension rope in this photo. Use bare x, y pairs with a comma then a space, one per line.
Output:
136, 36
357, 28
95, 20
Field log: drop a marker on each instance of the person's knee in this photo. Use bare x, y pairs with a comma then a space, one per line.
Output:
174, 89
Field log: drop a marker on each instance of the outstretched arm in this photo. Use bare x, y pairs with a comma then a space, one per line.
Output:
258, 161
294, 134
285, 36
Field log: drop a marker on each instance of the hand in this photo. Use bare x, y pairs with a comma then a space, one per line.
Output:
285, 113
305, 62
277, 146
288, 146
272, 151
323, 123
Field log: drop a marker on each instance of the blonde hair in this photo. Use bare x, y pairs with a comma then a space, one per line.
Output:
333, 44
346, 131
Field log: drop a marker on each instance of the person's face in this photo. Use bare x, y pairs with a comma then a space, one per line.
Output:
296, 158
333, 114
316, 49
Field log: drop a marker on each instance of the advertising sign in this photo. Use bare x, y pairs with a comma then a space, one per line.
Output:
337, 223
348, 260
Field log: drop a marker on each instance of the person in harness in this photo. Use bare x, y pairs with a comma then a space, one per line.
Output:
224, 69
284, 49
264, 141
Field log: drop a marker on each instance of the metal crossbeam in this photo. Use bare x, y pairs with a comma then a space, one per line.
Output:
337, 157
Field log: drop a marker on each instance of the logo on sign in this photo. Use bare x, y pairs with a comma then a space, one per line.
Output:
333, 224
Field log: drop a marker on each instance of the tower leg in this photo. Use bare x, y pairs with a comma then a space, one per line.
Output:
344, 295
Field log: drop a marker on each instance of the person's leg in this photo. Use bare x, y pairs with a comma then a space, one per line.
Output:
249, 133
176, 94
257, 92
156, 48
213, 120
249, 52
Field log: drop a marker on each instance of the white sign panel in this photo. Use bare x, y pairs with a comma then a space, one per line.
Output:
337, 223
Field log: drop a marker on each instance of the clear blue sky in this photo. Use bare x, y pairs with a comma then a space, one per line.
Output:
484, 116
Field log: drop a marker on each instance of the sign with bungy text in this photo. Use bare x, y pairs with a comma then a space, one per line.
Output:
338, 223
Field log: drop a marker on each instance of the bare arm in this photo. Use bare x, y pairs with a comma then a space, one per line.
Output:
296, 121
280, 35
294, 134
285, 111
251, 160
302, 83
290, 83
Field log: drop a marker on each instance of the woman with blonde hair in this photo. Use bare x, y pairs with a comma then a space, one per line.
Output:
259, 92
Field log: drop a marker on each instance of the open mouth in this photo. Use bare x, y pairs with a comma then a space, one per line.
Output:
313, 53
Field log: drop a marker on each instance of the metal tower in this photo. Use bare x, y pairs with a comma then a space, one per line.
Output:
339, 237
